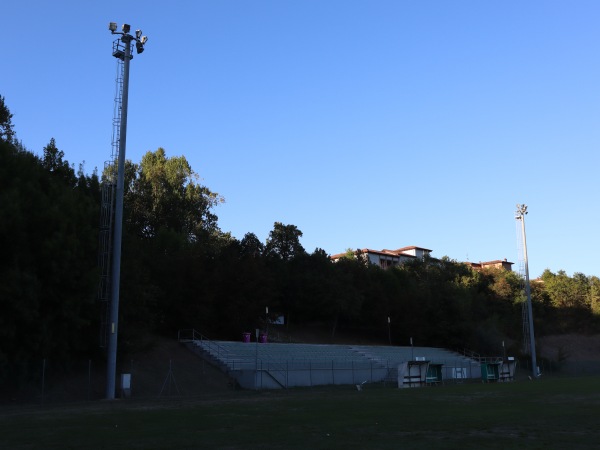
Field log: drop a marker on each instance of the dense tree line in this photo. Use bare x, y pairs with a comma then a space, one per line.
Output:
179, 270
48, 242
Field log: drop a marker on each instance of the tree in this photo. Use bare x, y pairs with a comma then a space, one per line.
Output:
250, 245
350, 254
504, 284
170, 246
52, 161
595, 295
284, 242
565, 291
164, 193
7, 133
48, 274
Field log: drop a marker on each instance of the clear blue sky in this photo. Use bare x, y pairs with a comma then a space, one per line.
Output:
375, 124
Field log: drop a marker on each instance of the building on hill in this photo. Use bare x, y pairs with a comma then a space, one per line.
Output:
389, 258
496, 264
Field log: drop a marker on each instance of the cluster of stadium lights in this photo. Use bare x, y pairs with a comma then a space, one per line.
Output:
521, 211
139, 39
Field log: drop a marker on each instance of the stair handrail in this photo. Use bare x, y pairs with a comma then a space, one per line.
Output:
481, 359
190, 334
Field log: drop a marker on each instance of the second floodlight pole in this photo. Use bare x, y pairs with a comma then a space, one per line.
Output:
521, 212
118, 231
122, 52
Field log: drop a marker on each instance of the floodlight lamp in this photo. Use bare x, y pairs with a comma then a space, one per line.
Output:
126, 28
112, 26
139, 47
144, 39
138, 34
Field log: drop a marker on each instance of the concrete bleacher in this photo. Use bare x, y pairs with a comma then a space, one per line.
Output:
278, 365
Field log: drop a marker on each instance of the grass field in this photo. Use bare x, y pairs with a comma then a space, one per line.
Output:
552, 413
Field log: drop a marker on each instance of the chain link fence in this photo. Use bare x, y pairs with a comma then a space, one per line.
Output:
177, 376
563, 368
48, 381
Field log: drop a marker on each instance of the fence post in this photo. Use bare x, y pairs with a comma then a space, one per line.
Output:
43, 378
332, 373
89, 396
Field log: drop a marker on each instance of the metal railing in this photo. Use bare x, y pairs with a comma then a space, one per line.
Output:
213, 348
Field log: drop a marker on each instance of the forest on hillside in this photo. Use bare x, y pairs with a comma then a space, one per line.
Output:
180, 270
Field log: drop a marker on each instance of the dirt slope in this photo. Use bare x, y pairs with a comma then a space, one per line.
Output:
575, 347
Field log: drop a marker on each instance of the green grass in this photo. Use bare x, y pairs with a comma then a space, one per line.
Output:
553, 413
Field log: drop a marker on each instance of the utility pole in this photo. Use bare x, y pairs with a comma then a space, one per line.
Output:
121, 51
520, 215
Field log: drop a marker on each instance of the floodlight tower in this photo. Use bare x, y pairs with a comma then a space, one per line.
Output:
121, 51
520, 215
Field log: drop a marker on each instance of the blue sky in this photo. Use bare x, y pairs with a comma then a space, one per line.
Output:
376, 124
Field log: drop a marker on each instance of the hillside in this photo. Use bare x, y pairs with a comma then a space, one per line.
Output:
573, 347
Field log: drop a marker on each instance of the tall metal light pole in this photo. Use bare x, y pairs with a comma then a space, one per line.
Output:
122, 51
520, 215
